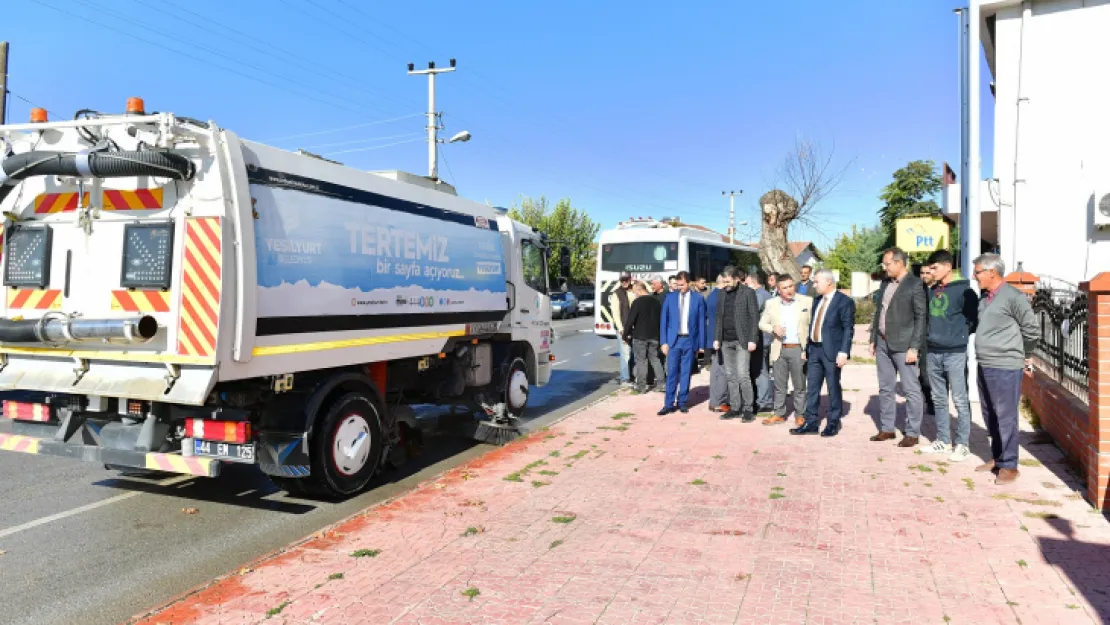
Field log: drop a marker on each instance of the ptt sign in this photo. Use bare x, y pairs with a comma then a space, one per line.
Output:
922, 234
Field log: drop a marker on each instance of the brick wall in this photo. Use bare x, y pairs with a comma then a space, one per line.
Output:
1082, 431
1062, 414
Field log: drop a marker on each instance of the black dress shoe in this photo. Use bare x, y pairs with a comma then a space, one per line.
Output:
729, 415
748, 418
831, 429
666, 411
809, 428
683, 409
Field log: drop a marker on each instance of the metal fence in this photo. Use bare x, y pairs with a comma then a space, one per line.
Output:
1062, 351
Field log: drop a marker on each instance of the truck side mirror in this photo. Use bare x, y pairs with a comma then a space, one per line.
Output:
564, 261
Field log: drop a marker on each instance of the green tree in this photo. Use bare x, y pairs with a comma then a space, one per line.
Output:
564, 225
859, 250
912, 193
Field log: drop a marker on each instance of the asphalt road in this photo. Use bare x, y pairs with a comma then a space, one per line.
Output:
80, 544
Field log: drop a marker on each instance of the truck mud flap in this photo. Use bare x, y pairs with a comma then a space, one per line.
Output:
154, 461
283, 454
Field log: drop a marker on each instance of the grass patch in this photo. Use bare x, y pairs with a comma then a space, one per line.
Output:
335, 576
564, 519
1023, 528
580, 455
1030, 462
547, 472
918, 452
699, 482
781, 474
554, 544
777, 495
970, 483
366, 553
947, 619
939, 499
1041, 515
540, 483
513, 477
555, 454
755, 451
1023, 564
620, 428
777, 488
1048, 485
1025, 407
863, 360
921, 467
621, 415
718, 457
532, 465
942, 470
880, 458
1032, 502
1012, 603
1072, 606
272, 612
929, 484
470, 593
473, 531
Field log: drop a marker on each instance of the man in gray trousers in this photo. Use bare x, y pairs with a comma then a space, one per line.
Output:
761, 365
897, 336
787, 318
736, 333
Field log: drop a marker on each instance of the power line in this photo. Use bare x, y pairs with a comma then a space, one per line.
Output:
376, 147
454, 180
196, 58
217, 53
408, 135
329, 131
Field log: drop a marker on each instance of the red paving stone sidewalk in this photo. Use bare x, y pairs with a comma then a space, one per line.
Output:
619, 516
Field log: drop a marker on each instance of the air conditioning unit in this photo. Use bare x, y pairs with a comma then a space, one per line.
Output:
1102, 208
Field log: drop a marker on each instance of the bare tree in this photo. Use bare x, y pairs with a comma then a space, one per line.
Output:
805, 177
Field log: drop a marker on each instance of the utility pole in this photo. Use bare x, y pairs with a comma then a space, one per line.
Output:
433, 116
3, 82
732, 214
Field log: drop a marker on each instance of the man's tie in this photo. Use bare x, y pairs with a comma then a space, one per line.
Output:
820, 319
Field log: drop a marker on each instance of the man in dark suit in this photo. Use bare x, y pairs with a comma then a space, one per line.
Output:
682, 336
898, 334
736, 336
830, 345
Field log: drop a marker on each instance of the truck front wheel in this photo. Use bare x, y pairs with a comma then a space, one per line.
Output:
347, 447
516, 388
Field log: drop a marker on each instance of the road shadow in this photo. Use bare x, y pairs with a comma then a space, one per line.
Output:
245, 486
1085, 564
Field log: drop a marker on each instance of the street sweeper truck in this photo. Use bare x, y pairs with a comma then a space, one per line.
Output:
178, 298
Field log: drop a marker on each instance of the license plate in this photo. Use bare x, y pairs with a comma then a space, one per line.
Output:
224, 451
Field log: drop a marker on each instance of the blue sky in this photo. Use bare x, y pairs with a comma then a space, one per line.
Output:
627, 108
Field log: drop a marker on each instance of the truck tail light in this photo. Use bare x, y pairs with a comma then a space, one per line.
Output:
27, 411
222, 431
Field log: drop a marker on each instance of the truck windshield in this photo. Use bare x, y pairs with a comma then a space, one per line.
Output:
638, 257
535, 266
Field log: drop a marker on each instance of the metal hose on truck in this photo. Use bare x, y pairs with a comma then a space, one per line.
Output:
155, 163
59, 328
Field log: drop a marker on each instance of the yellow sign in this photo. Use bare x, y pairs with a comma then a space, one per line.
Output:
922, 234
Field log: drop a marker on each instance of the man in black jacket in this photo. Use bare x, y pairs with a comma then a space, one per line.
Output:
897, 337
736, 335
953, 316
642, 330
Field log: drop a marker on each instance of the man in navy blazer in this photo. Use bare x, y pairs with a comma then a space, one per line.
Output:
830, 345
681, 337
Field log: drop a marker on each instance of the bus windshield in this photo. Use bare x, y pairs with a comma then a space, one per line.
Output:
639, 257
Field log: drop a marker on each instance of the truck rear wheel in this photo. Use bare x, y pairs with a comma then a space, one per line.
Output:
346, 447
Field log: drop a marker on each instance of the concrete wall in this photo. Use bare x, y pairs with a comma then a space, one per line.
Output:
1060, 142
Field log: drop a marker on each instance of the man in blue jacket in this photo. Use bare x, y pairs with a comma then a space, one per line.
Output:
682, 336
829, 347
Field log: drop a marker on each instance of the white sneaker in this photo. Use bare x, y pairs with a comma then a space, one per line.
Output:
962, 453
938, 447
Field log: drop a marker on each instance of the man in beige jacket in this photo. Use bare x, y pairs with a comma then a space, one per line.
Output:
786, 317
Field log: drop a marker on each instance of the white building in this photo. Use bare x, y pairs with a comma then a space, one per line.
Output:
1048, 63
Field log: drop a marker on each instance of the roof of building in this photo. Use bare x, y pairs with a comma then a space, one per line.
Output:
797, 247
